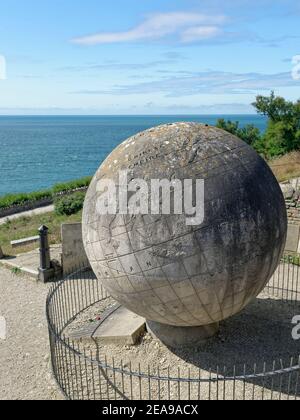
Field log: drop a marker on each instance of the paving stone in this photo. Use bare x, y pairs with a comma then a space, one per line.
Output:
118, 326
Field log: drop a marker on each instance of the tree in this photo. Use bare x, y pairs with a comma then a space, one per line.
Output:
283, 132
276, 108
250, 134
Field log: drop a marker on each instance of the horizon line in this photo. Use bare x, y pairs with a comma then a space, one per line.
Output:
129, 115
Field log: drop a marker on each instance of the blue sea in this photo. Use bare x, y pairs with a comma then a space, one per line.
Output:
38, 152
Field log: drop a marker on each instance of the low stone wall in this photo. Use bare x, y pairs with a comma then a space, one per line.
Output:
73, 253
291, 192
32, 205
293, 211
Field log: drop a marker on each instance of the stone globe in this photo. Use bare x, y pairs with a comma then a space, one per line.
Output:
184, 278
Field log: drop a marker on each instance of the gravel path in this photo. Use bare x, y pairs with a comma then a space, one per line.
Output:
24, 356
29, 213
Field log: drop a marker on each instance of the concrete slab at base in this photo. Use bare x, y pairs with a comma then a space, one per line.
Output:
117, 326
29, 262
174, 337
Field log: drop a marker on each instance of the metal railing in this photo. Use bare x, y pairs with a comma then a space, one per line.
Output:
84, 373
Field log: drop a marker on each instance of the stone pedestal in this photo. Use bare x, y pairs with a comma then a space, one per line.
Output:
117, 326
46, 275
182, 336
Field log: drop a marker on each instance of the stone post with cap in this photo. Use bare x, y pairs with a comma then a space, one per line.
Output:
46, 271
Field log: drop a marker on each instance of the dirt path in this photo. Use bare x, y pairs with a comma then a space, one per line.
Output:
24, 354
41, 210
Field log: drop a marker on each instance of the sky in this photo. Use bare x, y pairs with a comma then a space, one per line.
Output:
146, 57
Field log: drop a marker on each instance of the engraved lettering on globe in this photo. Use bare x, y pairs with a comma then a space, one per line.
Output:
180, 275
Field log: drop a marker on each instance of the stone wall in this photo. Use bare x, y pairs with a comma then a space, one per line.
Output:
31, 205
73, 253
291, 192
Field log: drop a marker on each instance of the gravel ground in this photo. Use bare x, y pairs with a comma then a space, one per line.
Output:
24, 356
261, 333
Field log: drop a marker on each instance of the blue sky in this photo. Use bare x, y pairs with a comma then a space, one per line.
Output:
142, 57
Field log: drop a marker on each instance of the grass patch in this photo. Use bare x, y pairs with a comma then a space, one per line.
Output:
292, 259
286, 167
28, 226
72, 185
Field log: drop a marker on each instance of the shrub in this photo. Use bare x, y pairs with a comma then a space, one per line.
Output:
72, 204
250, 134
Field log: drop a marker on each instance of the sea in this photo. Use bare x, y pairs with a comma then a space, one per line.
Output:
37, 152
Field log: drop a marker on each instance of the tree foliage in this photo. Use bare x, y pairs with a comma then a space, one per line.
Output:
70, 204
283, 131
250, 134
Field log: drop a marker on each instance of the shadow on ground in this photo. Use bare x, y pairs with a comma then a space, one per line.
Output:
257, 340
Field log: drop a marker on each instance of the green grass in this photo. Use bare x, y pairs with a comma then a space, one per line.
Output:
292, 259
28, 226
72, 185
22, 198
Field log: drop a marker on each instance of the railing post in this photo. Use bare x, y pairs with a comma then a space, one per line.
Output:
46, 272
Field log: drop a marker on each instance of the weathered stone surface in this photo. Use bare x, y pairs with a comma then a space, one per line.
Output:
118, 326
73, 253
25, 241
182, 336
293, 238
291, 191
287, 190
181, 275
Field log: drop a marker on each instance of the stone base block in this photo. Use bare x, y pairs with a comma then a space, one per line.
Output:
118, 326
46, 275
182, 336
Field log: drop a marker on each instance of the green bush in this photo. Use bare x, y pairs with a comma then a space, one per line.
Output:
72, 185
250, 134
68, 205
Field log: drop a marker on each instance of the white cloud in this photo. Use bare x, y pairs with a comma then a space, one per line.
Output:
210, 82
195, 26
199, 33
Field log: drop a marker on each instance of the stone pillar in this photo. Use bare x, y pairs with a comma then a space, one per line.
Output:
46, 272
1, 253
